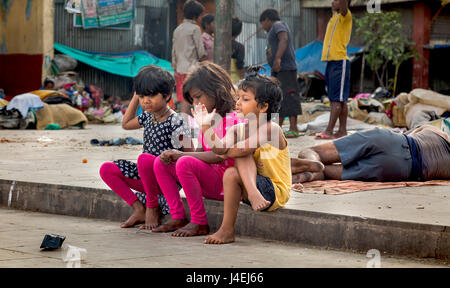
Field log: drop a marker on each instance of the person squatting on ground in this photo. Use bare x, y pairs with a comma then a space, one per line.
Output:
281, 58
262, 174
163, 130
188, 48
377, 155
200, 173
337, 75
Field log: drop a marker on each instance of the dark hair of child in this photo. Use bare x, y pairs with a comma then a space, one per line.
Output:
206, 20
48, 81
236, 26
192, 9
214, 81
152, 80
266, 89
271, 14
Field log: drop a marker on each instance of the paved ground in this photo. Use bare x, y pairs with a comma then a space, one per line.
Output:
55, 157
107, 245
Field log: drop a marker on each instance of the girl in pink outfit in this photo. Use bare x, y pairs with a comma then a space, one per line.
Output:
163, 130
200, 173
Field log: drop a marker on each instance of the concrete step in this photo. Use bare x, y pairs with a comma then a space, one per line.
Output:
348, 233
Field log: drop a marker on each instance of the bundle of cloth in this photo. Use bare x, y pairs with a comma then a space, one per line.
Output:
61, 114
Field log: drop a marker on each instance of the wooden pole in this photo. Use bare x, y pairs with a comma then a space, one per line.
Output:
222, 37
363, 66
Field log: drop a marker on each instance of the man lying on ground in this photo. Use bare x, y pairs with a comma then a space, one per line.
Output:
377, 155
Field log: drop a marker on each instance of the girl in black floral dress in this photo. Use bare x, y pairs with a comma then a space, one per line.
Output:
163, 130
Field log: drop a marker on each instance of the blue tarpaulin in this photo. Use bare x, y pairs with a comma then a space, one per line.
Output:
122, 64
308, 58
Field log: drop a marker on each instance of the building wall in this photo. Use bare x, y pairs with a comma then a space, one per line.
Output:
302, 23
150, 31
26, 44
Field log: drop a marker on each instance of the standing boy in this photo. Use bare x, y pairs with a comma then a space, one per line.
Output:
281, 59
337, 75
188, 49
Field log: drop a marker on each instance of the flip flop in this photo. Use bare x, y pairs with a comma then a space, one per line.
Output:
323, 136
291, 134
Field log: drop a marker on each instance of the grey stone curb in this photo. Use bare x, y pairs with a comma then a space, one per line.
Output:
296, 226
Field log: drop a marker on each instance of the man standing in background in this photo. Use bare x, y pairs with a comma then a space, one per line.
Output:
281, 58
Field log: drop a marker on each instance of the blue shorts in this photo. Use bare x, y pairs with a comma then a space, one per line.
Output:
375, 155
265, 186
337, 77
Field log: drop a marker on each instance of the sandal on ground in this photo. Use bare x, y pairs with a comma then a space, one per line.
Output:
324, 136
291, 134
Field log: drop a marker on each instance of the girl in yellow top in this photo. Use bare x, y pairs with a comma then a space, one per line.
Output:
262, 173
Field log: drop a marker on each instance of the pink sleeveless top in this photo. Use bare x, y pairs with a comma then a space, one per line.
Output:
229, 121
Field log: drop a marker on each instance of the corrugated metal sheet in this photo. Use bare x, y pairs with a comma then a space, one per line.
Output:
440, 30
302, 23
108, 40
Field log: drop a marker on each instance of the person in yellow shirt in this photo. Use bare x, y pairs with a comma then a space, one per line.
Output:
337, 75
262, 174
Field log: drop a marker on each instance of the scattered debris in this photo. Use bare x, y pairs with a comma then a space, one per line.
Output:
52, 242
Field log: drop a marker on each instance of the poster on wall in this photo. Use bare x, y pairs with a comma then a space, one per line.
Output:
78, 23
89, 14
111, 12
102, 13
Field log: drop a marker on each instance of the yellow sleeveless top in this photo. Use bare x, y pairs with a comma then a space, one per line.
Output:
275, 164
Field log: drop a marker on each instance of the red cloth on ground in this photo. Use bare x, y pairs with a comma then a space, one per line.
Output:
335, 187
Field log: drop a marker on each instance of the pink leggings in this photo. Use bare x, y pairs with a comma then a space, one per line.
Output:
120, 184
198, 180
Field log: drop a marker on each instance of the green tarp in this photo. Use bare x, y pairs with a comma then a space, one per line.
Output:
123, 64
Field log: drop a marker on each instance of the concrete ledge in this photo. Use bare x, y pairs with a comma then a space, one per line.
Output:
288, 225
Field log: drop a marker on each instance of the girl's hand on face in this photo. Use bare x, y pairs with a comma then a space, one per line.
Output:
201, 115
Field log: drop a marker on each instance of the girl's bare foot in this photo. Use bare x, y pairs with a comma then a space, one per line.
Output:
258, 202
138, 217
304, 165
191, 230
170, 226
220, 237
152, 218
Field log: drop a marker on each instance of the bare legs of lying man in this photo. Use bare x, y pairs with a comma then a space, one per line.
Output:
317, 163
239, 182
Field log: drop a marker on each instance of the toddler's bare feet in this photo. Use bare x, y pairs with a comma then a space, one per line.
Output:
137, 217
152, 217
258, 202
170, 226
220, 237
304, 165
191, 230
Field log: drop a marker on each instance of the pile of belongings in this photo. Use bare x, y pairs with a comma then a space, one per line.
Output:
420, 107
20, 112
366, 109
30, 111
